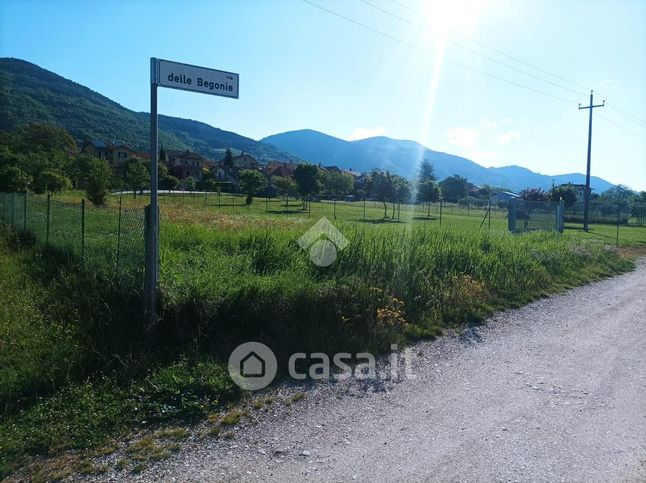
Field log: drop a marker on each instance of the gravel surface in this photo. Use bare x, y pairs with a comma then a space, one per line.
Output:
554, 391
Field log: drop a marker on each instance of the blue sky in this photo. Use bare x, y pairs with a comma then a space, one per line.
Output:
302, 67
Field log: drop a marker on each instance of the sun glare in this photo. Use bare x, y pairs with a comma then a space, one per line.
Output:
441, 17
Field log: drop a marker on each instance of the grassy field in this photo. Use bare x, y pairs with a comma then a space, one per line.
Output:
231, 277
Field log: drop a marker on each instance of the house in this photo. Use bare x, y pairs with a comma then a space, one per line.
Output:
279, 168
503, 196
354, 174
96, 148
115, 153
331, 169
225, 174
184, 163
580, 190
245, 161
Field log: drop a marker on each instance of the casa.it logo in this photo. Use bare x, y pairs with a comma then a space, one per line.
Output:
252, 366
322, 241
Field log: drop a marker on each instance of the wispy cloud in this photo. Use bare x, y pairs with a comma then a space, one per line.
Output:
366, 132
478, 141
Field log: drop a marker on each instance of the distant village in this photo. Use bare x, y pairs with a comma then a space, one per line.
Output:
190, 167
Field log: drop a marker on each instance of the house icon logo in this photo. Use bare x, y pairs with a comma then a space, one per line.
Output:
252, 366
322, 241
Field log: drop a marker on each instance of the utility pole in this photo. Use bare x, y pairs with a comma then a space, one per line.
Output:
586, 207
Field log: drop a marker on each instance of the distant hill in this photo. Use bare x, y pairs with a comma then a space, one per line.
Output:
402, 157
29, 93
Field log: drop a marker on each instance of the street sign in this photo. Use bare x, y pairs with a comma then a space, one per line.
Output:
164, 73
188, 77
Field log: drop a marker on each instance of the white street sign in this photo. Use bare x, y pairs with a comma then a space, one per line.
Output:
192, 78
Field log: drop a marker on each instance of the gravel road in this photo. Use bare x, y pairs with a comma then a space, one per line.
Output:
554, 391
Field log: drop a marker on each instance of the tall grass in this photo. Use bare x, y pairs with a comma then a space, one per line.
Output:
78, 364
222, 287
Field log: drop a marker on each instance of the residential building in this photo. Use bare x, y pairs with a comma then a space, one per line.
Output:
184, 163
279, 168
245, 161
503, 196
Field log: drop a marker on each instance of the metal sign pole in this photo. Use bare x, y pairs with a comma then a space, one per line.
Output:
152, 245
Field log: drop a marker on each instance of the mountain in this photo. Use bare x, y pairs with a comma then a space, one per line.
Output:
29, 93
402, 157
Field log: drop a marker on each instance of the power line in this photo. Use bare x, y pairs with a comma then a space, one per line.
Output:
620, 126
501, 53
625, 113
468, 67
611, 104
468, 49
454, 62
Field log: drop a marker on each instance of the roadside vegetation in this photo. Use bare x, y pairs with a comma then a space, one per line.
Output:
78, 364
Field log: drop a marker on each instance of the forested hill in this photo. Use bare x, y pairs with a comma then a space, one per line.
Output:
29, 93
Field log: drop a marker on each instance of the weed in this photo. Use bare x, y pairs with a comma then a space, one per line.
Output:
232, 417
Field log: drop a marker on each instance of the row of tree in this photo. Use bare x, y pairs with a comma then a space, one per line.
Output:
568, 194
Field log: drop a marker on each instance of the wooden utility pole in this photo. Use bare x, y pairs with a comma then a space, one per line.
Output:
586, 206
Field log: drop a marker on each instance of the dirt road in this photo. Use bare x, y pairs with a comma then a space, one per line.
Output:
555, 391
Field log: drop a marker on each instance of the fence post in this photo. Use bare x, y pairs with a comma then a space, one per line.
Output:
489, 213
618, 220
511, 217
49, 198
364, 207
24, 212
116, 275
440, 212
82, 231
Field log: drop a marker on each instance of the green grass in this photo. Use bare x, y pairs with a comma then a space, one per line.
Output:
78, 365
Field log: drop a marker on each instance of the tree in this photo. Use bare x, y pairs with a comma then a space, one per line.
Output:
336, 183
228, 158
426, 172
50, 181
285, 187
13, 179
428, 192
137, 176
307, 179
454, 187
251, 182
400, 192
40, 137
166, 180
99, 182
381, 188
534, 194
617, 194
565, 192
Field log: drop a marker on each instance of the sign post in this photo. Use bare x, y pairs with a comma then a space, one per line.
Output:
173, 75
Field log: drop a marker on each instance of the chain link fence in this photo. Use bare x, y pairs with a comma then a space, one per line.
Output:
525, 215
609, 213
109, 240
